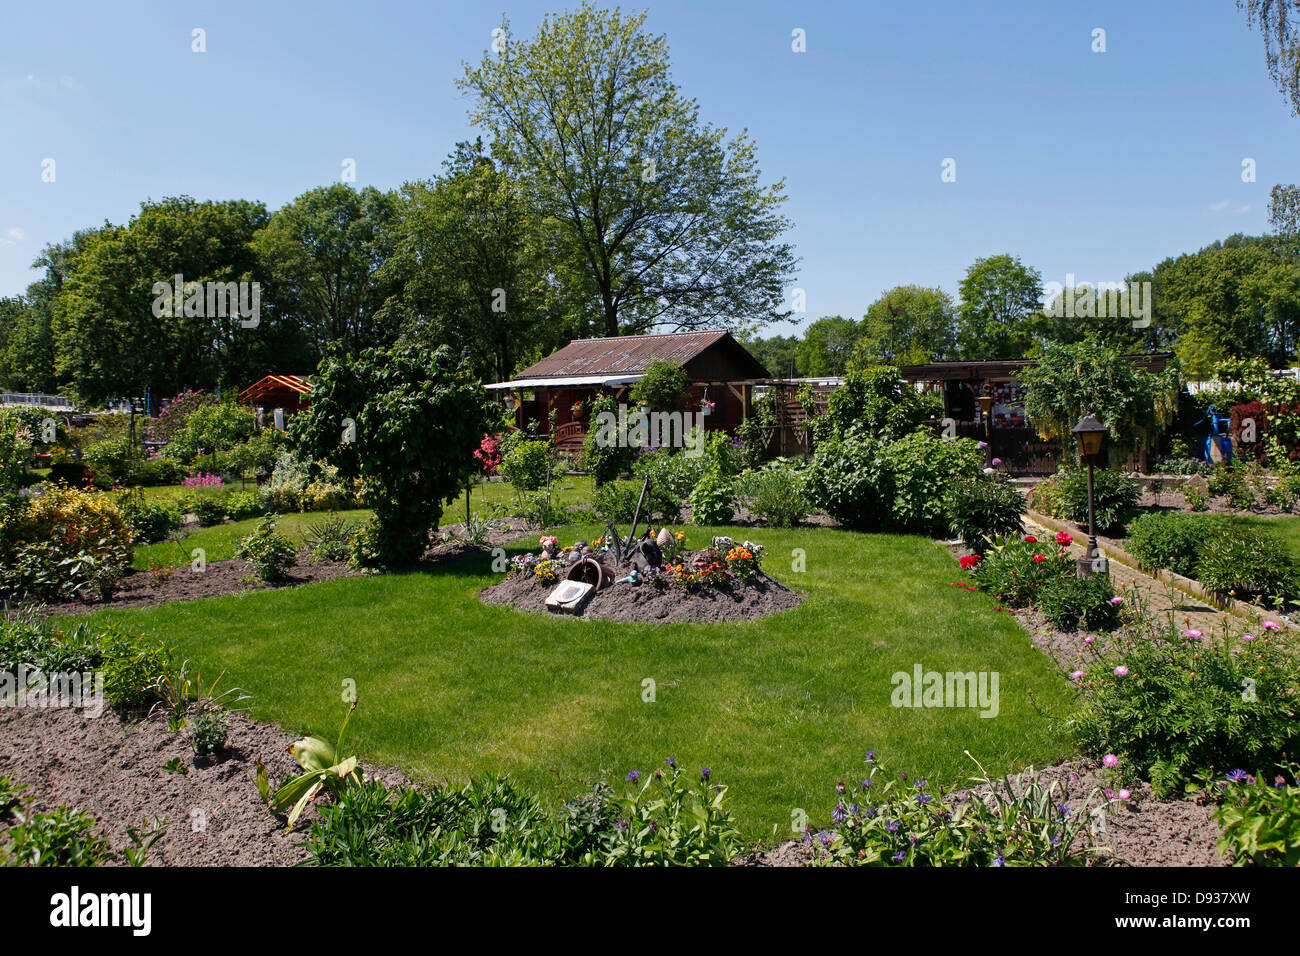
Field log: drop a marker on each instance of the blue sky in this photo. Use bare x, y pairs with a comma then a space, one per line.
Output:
1083, 163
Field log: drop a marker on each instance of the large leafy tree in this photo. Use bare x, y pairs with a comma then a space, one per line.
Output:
1090, 378
1000, 297
324, 253
109, 342
908, 325
653, 218
778, 354
467, 264
405, 421
827, 345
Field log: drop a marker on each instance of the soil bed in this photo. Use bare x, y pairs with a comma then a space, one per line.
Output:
737, 600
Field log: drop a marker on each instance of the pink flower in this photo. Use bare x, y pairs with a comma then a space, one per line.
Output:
1088, 639
1270, 626
997, 462
1117, 600
1075, 675
1110, 760
1248, 637
1121, 671
1063, 538
1192, 633
982, 445
1124, 795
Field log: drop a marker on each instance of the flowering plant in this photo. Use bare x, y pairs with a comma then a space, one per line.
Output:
202, 481
743, 562
969, 561
546, 570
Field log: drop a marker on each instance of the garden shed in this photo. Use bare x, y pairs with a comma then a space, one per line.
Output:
286, 394
970, 387
719, 369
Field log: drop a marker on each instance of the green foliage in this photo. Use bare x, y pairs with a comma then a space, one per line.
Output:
1260, 824
713, 500
1017, 570
526, 465
894, 821
211, 427
777, 492
62, 543
1189, 705
877, 403
326, 770
1070, 381
1248, 564
1070, 602
983, 507
827, 345
418, 419
208, 731
662, 388
270, 553
907, 325
15, 447
64, 837
330, 539
999, 298
604, 462
642, 249
616, 501
242, 505
1170, 540
901, 485
676, 472
1065, 495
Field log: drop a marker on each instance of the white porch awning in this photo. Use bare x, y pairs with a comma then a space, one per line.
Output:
609, 380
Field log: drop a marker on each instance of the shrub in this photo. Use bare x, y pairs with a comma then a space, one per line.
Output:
298, 484
677, 473
893, 821
1065, 495
157, 471
1186, 705
61, 542
210, 509
150, 521
1070, 602
983, 507
242, 505
1260, 823
539, 511
848, 481
208, 731
662, 387
1015, 570
110, 459
713, 501
270, 553
1171, 540
62, 837
525, 466
776, 493
330, 539
1246, 563
616, 501
603, 460
876, 403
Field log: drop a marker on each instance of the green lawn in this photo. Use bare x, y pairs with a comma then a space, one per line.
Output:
219, 541
780, 709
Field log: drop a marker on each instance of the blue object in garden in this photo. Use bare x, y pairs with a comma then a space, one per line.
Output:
632, 578
1216, 436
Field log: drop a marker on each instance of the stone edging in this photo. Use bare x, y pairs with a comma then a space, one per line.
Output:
1243, 609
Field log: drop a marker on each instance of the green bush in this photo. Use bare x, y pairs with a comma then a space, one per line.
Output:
1016, 570
876, 403
1260, 823
713, 501
603, 461
1187, 705
1065, 495
984, 507
63, 837
661, 388
158, 471
677, 473
150, 521
525, 466
1170, 540
777, 493
616, 501
847, 479
330, 539
1070, 602
242, 505
1247, 564
270, 553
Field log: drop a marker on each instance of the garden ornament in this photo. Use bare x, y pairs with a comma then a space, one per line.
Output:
646, 554
633, 577
1217, 437
664, 538
591, 572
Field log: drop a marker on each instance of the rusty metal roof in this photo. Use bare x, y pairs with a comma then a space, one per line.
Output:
623, 354
273, 385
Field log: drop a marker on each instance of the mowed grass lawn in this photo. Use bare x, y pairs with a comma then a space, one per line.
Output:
780, 709
219, 541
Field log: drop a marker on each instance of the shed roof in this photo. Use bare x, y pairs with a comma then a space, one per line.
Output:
275, 385
630, 354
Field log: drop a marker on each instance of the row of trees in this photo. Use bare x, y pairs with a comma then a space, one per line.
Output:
599, 205
1236, 298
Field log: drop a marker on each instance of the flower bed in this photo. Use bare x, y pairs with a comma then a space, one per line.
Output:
722, 582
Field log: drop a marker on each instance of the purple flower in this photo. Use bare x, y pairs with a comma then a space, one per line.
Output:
1237, 776
866, 783
900, 856
997, 462
634, 776
1110, 760
704, 773
672, 762
871, 756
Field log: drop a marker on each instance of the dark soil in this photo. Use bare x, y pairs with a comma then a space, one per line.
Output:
1176, 501
736, 601
145, 588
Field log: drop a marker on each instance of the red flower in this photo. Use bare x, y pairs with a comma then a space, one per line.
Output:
1064, 539
969, 561
1031, 539
1039, 558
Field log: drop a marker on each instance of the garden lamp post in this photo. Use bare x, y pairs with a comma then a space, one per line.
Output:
985, 399
1091, 436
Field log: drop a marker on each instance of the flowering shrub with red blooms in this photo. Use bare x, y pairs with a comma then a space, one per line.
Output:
488, 455
1039, 558
1014, 571
1064, 539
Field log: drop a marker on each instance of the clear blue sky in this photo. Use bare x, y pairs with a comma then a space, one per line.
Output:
1096, 164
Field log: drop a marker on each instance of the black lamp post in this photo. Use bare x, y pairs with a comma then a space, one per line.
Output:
985, 399
1091, 436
